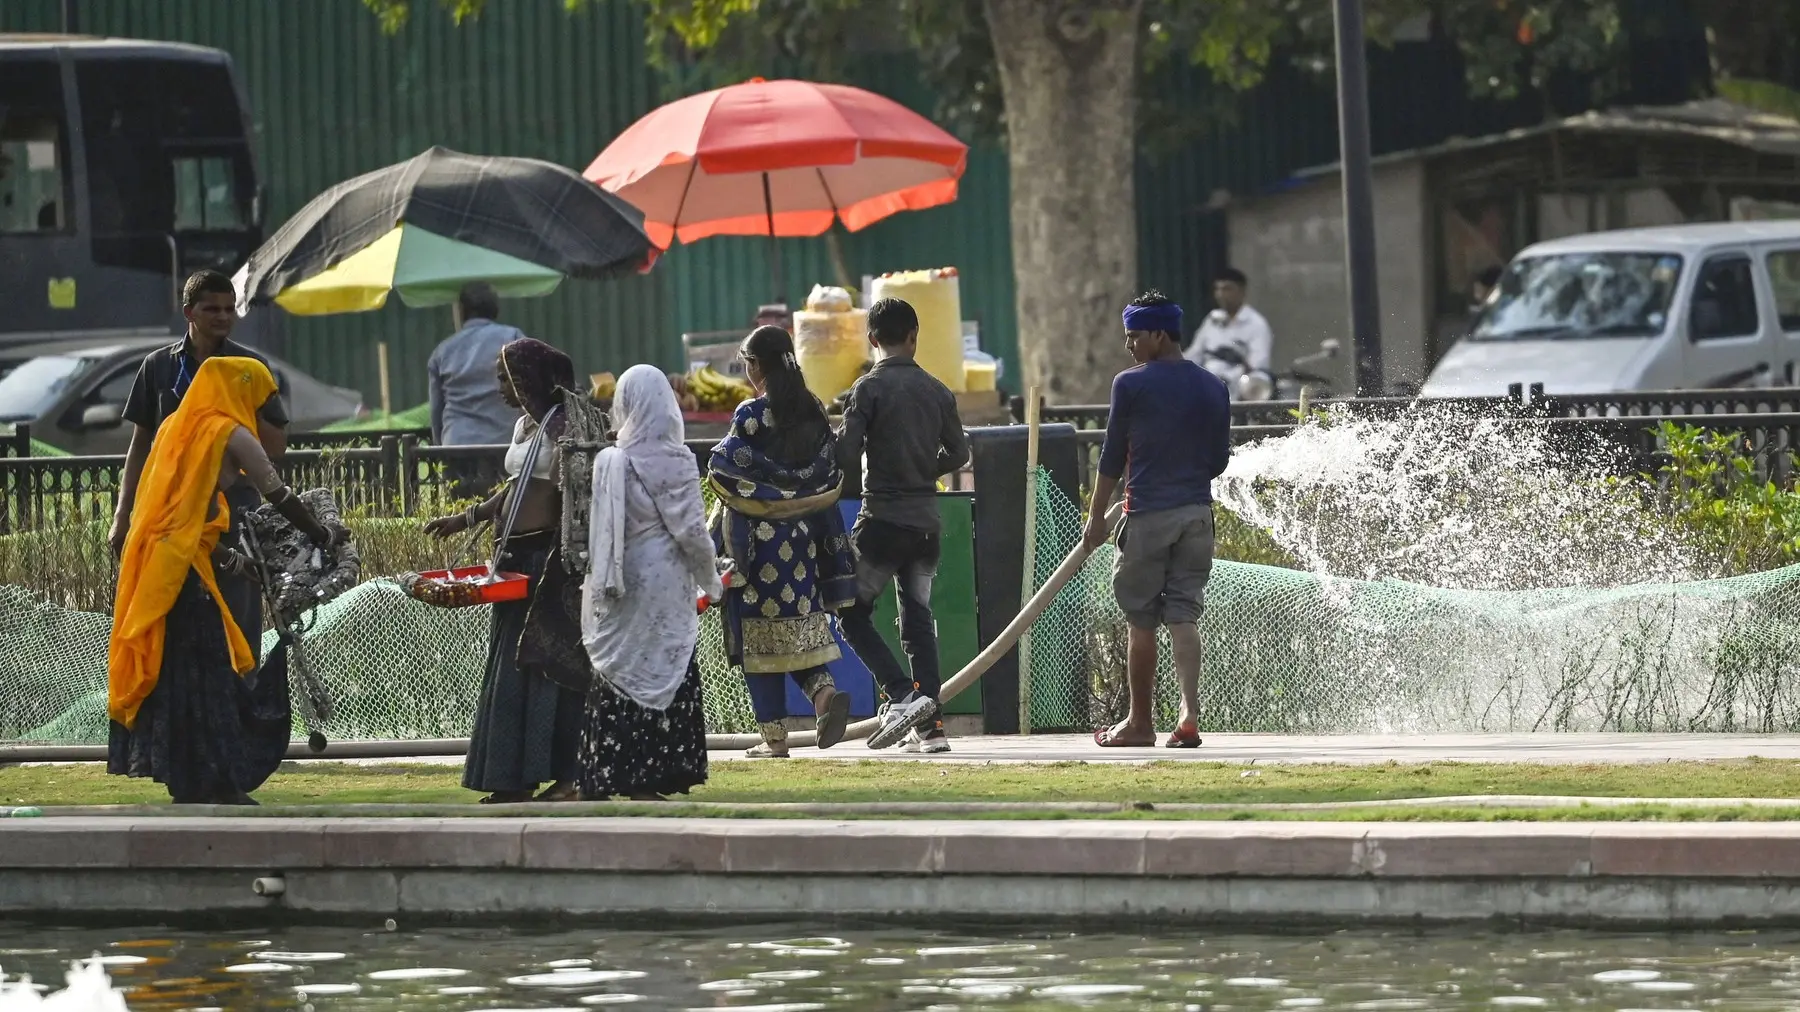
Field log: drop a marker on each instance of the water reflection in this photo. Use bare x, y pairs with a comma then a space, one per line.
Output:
789, 968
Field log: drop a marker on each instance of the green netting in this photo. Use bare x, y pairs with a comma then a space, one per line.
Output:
1286, 651
1295, 652
397, 669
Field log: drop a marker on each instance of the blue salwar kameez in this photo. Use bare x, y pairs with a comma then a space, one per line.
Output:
779, 524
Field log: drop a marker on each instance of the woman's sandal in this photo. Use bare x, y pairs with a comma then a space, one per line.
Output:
831, 717
562, 790
506, 798
765, 751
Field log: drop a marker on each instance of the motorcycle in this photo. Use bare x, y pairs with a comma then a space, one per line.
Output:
1264, 385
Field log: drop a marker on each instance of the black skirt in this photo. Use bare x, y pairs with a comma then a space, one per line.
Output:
526, 726
628, 749
205, 732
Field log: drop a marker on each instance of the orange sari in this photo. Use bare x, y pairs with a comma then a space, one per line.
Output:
171, 533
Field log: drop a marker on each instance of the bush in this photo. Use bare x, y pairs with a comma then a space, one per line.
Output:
1238, 540
1739, 521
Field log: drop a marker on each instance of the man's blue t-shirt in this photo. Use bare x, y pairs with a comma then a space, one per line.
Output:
1170, 423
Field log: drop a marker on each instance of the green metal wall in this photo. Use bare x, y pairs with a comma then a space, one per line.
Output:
333, 97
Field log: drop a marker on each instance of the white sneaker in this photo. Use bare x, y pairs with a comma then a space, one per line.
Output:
933, 745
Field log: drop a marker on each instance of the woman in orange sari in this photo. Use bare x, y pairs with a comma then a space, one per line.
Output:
188, 707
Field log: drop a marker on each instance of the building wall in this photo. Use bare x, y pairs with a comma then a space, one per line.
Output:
1292, 247
333, 97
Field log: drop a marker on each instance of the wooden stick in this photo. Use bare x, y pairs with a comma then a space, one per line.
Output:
1029, 579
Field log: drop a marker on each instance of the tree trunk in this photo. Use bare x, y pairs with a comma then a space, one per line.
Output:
1068, 71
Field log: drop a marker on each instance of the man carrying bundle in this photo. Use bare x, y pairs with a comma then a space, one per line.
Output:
1168, 434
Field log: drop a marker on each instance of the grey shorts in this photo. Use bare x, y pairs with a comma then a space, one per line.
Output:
1164, 560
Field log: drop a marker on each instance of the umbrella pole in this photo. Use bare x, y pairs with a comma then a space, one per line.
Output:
381, 361
774, 243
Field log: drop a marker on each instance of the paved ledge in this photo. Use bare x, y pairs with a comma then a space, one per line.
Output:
1627, 873
1349, 749
864, 809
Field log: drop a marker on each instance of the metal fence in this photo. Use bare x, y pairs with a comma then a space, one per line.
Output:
394, 473
1519, 400
396, 476
1770, 438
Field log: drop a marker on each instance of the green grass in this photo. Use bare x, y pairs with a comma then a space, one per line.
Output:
806, 781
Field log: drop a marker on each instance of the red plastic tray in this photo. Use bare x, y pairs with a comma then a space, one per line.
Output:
504, 587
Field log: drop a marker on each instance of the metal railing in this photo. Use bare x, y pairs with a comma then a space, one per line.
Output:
1771, 439
395, 477
1518, 400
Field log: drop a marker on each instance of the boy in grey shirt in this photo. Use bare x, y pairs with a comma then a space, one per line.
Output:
906, 422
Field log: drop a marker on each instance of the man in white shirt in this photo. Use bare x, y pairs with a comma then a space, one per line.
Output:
1234, 338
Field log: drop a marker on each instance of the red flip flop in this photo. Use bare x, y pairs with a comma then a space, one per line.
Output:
1104, 738
1183, 737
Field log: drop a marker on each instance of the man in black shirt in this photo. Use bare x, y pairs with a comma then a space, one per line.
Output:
905, 420
209, 302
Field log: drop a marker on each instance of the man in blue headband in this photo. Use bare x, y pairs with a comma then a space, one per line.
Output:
1168, 433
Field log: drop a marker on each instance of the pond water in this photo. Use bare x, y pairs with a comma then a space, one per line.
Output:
799, 968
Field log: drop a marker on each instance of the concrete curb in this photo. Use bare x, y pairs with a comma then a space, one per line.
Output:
916, 809
1625, 873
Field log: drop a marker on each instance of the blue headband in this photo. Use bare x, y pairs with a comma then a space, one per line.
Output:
1164, 317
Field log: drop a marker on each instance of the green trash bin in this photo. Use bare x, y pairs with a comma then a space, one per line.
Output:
953, 601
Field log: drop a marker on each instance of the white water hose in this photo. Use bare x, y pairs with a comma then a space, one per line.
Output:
1008, 637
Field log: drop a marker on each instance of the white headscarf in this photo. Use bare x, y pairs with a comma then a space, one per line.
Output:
632, 643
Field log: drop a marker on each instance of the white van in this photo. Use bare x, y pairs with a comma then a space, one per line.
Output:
1694, 307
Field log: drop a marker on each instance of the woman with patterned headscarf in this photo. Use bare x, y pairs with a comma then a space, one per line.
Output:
776, 478
189, 708
527, 722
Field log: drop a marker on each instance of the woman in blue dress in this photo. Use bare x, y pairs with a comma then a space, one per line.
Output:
777, 482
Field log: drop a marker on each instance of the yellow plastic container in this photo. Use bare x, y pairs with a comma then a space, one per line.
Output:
937, 297
831, 349
979, 377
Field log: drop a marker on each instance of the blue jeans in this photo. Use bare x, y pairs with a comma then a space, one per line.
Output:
890, 553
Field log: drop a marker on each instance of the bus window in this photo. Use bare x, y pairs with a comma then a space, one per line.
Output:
152, 126
206, 194
34, 166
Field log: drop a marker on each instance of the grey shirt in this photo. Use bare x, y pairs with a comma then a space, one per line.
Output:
906, 423
466, 406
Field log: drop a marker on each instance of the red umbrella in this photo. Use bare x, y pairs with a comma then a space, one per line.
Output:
778, 158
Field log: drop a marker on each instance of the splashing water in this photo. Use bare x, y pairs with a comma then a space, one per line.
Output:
88, 989
1455, 501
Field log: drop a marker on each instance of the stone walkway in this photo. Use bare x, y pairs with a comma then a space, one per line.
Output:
1281, 748
1413, 748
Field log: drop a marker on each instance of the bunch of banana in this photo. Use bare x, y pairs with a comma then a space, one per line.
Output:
715, 391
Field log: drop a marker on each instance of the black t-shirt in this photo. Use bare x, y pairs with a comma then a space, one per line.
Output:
163, 380
164, 377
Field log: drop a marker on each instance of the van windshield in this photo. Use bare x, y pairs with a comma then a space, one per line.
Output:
1581, 295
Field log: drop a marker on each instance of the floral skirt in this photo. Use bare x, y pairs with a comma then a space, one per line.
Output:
629, 749
205, 732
